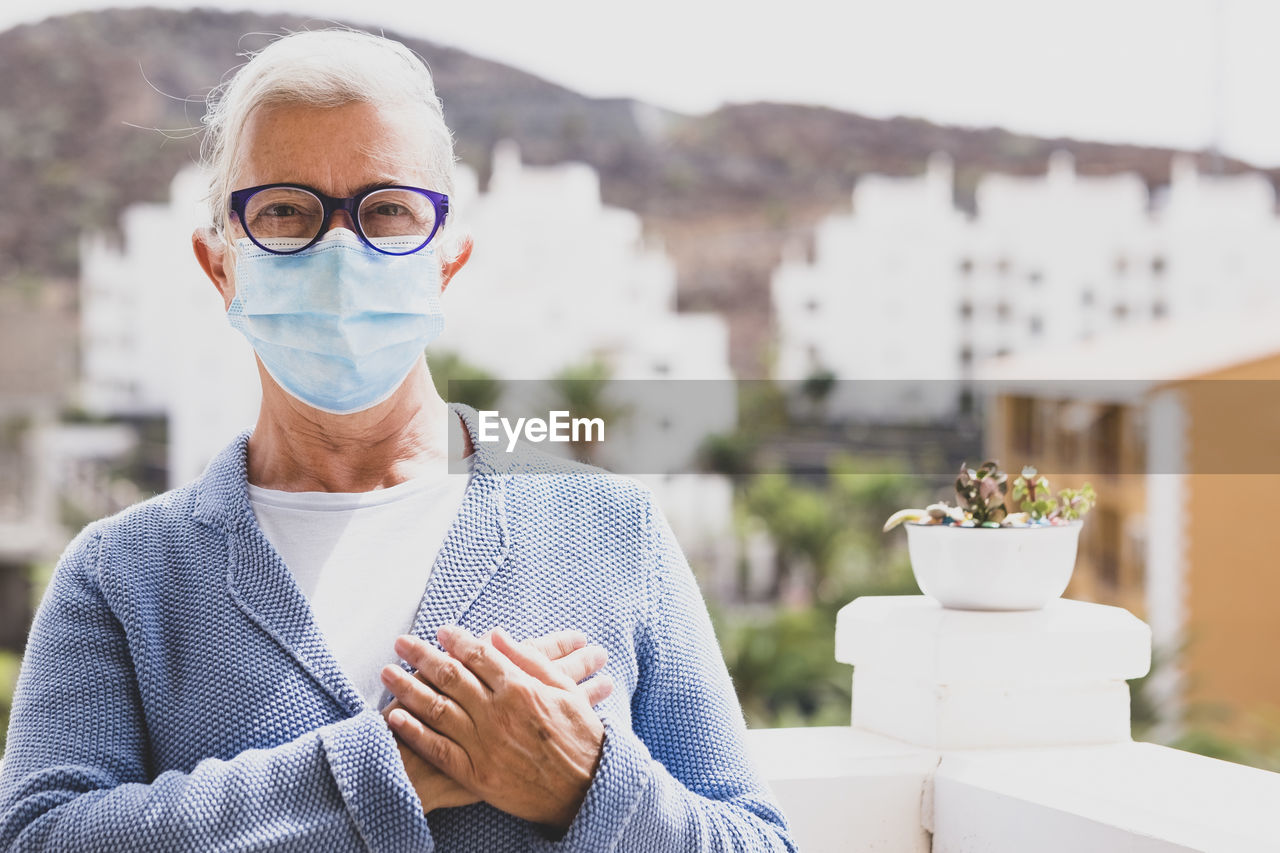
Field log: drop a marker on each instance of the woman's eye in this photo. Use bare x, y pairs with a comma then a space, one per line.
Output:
279, 210
390, 210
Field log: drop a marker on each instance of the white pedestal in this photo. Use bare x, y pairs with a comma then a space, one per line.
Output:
959, 679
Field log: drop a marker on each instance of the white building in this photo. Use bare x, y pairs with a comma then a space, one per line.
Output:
872, 304
558, 278
155, 337
907, 287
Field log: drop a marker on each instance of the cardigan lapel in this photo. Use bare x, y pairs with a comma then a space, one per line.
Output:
260, 583
262, 586
265, 589
475, 546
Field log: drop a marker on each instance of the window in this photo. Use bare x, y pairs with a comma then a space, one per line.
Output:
1037, 326
1105, 440
966, 310
1022, 424
1106, 550
1068, 436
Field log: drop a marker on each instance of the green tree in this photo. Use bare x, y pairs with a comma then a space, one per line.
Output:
784, 667
8, 678
817, 388
783, 658
867, 491
583, 391
461, 382
806, 528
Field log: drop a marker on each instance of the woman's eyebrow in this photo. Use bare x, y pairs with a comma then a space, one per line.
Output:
377, 185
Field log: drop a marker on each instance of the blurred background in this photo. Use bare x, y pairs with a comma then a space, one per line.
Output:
1044, 233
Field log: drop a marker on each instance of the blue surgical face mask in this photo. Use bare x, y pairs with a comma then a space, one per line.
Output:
339, 325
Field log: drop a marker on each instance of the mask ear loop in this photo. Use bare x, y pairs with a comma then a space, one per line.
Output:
223, 230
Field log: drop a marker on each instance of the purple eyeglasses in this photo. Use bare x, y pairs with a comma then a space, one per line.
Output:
284, 219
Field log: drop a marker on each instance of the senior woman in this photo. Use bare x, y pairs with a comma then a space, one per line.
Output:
328, 641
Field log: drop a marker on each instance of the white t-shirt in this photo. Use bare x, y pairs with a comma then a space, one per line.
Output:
362, 559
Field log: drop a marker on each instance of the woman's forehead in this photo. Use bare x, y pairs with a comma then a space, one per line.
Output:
339, 150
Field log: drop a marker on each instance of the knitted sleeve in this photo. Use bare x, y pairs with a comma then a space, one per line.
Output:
75, 774
679, 778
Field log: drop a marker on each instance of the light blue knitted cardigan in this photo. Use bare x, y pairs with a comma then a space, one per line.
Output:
176, 694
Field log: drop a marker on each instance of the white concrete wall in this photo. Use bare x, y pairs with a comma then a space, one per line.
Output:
1056, 776
845, 790
1131, 797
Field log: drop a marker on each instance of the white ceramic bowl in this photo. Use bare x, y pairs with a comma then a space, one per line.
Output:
982, 568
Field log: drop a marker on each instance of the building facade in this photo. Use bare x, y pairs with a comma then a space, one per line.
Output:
908, 287
1174, 426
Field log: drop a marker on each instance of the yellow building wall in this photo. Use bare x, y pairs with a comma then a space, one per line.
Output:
1231, 526
1233, 539
1109, 566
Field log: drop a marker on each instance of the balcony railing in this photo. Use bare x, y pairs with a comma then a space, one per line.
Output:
1004, 733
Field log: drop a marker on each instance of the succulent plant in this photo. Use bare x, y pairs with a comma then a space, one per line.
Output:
980, 494
1031, 493
1031, 490
1073, 503
981, 491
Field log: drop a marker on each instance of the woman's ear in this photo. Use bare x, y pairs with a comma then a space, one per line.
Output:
211, 252
455, 261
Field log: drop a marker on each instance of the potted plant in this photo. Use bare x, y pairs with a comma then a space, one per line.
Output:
979, 556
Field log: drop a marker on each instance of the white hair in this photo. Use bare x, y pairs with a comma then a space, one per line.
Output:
322, 68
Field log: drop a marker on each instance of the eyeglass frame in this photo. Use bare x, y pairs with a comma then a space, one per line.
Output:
331, 204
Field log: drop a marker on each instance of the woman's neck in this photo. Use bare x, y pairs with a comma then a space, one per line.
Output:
296, 448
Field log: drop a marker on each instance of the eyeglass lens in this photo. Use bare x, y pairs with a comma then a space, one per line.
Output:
292, 213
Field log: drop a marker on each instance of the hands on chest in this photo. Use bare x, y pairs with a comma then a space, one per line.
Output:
501, 721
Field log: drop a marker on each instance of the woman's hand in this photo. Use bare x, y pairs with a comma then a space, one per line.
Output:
500, 720
434, 789
569, 653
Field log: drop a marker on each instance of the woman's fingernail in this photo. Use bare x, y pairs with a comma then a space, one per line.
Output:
398, 717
